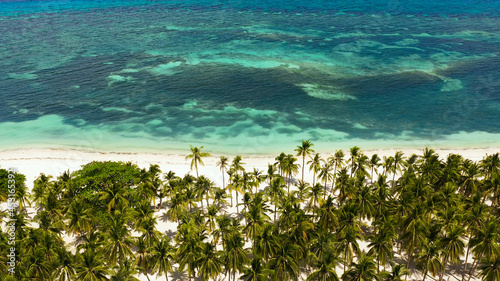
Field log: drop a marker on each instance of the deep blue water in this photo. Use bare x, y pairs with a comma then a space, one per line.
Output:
249, 76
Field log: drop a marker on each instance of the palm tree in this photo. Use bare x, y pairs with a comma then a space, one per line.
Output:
381, 247
205, 187
237, 165
347, 244
275, 191
225, 226
235, 257
280, 163
398, 163
290, 168
271, 172
388, 166
188, 254
115, 196
41, 187
337, 160
474, 218
91, 241
258, 178
91, 266
237, 186
398, 272
79, 217
344, 185
328, 214
177, 207
284, 262
119, 244
364, 200
256, 271
414, 230
374, 163
126, 271
364, 269
223, 164
325, 175
315, 165
452, 246
65, 265
21, 195
264, 242
148, 229
304, 150
428, 260
302, 187
209, 262
196, 155
485, 243
220, 196
162, 255
143, 256
316, 195
355, 153
490, 165
490, 269
255, 218
325, 267
190, 196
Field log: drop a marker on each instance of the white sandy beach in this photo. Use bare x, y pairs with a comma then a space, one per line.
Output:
32, 162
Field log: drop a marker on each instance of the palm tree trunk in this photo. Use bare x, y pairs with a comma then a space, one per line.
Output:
324, 195
314, 177
345, 257
274, 211
466, 258
237, 209
159, 206
474, 265
425, 275
372, 173
288, 182
223, 183
334, 175
444, 268
146, 273
303, 163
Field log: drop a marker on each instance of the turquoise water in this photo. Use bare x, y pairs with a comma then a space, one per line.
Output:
249, 76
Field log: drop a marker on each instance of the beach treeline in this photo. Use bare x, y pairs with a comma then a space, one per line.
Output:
360, 218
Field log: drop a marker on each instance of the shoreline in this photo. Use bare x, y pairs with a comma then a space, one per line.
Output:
54, 161
8, 154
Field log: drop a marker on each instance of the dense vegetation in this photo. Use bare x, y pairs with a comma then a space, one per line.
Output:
435, 216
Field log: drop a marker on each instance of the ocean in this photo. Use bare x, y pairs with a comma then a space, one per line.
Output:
252, 77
